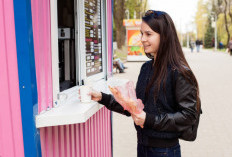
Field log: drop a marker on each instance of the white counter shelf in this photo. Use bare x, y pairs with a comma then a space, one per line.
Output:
70, 110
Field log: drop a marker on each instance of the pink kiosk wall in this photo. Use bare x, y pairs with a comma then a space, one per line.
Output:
11, 136
90, 139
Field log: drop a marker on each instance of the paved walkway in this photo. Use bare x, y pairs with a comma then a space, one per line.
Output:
214, 73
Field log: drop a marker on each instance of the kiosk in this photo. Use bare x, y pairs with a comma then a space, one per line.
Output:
49, 49
133, 38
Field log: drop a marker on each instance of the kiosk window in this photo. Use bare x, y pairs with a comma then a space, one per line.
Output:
93, 37
66, 43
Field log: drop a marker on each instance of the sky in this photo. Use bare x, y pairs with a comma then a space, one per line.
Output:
182, 12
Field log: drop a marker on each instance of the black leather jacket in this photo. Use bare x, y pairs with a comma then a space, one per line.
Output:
167, 117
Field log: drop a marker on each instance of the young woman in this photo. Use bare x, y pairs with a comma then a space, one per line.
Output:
167, 88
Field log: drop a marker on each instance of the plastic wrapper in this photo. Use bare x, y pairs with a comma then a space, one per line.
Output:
125, 95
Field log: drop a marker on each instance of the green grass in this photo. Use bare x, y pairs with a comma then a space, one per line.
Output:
220, 50
212, 49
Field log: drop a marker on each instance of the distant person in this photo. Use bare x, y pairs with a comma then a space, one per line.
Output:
213, 42
230, 46
220, 45
191, 44
119, 64
198, 43
201, 44
168, 89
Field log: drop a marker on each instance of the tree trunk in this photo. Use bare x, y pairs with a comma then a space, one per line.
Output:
145, 6
230, 14
226, 22
119, 11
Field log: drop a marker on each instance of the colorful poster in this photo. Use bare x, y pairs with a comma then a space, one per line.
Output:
133, 38
134, 43
132, 22
135, 50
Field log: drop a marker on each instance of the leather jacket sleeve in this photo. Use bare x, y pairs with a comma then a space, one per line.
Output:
110, 103
186, 99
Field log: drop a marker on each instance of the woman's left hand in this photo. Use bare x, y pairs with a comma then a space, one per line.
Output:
139, 119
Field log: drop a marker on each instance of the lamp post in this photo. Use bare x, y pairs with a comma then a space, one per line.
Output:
181, 39
214, 14
214, 25
215, 33
134, 14
127, 13
187, 33
189, 28
205, 15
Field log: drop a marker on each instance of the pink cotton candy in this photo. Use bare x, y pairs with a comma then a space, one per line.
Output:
125, 95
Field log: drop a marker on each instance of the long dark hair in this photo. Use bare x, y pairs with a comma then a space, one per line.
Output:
169, 53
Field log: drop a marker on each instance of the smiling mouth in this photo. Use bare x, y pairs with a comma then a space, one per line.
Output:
146, 46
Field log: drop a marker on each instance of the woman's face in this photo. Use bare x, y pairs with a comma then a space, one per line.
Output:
149, 39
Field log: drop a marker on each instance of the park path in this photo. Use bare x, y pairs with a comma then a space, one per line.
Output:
214, 73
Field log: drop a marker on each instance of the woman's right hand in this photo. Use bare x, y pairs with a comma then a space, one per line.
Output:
95, 95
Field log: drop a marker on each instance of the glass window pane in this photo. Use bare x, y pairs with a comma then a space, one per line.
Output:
93, 37
66, 40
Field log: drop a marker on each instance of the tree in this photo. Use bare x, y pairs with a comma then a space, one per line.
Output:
221, 32
224, 7
119, 11
134, 7
226, 21
201, 19
209, 35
